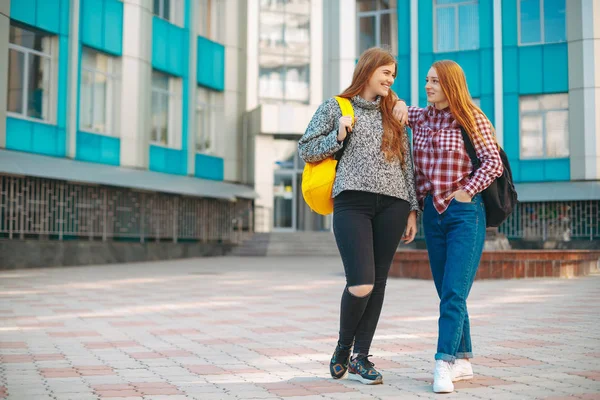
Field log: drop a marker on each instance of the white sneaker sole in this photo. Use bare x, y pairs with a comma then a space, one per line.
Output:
358, 378
447, 389
462, 378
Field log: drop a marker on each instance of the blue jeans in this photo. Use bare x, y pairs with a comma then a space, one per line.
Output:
455, 242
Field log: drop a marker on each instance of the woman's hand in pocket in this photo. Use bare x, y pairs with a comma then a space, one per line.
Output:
461, 196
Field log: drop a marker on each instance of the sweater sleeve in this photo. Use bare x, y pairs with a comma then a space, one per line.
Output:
409, 176
320, 139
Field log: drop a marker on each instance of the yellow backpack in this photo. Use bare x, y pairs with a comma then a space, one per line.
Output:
318, 178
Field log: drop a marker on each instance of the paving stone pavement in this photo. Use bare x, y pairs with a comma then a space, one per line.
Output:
264, 328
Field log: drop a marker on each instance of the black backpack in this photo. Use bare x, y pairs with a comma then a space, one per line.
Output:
500, 197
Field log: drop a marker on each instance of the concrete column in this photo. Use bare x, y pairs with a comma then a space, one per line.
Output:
415, 79
338, 45
498, 73
252, 39
4, 31
229, 137
72, 80
136, 83
192, 86
583, 35
317, 23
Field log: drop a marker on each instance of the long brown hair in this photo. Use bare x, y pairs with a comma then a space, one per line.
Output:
454, 85
392, 142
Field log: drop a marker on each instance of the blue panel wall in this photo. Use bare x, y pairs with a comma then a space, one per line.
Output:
48, 15
170, 54
35, 137
101, 28
211, 64
477, 64
530, 70
98, 148
209, 167
101, 25
167, 160
170, 47
25, 135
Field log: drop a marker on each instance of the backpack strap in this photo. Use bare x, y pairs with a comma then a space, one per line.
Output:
470, 150
347, 110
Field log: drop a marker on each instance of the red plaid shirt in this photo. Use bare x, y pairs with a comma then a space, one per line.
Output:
442, 164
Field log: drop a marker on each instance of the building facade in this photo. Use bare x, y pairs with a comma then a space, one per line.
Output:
206, 98
118, 108
533, 66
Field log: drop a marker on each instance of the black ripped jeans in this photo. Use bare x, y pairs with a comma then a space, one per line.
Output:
368, 228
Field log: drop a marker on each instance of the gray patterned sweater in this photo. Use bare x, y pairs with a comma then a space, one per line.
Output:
363, 166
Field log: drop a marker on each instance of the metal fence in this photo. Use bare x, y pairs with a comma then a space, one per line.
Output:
35, 207
561, 221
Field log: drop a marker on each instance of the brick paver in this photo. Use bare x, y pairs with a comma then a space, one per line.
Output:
264, 328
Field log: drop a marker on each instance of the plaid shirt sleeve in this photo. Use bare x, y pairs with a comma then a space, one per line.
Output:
487, 152
413, 115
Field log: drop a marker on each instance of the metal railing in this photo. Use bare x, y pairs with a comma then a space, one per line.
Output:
561, 221
45, 208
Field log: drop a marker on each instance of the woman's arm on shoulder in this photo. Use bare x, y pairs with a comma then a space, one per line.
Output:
320, 139
487, 151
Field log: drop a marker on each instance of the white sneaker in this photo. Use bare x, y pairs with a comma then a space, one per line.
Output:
442, 377
462, 370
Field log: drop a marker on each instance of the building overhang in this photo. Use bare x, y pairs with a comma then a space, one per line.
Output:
558, 191
40, 166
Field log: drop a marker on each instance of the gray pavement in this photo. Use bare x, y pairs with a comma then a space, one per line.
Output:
264, 328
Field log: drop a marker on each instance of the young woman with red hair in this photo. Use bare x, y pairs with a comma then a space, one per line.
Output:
374, 201
448, 191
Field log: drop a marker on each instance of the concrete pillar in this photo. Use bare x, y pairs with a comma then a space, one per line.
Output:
229, 137
583, 35
4, 31
72, 79
192, 86
136, 83
338, 45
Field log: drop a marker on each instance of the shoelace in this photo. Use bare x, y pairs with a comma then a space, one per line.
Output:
365, 361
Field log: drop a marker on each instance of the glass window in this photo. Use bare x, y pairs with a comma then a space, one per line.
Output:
31, 75
456, 25
170, 10
544, 126
284, 51
211, 19
542, 21
377, 25
166, 110
99, 92
209, 111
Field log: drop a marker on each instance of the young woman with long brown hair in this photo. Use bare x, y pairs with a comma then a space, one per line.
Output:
448, 190
374, 201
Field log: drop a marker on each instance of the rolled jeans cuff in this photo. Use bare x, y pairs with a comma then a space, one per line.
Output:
464, 355
445, 357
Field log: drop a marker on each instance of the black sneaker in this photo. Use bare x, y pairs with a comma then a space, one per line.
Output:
338, 366
361, 369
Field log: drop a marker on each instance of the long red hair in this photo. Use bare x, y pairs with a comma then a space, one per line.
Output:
454, 85
392, 142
